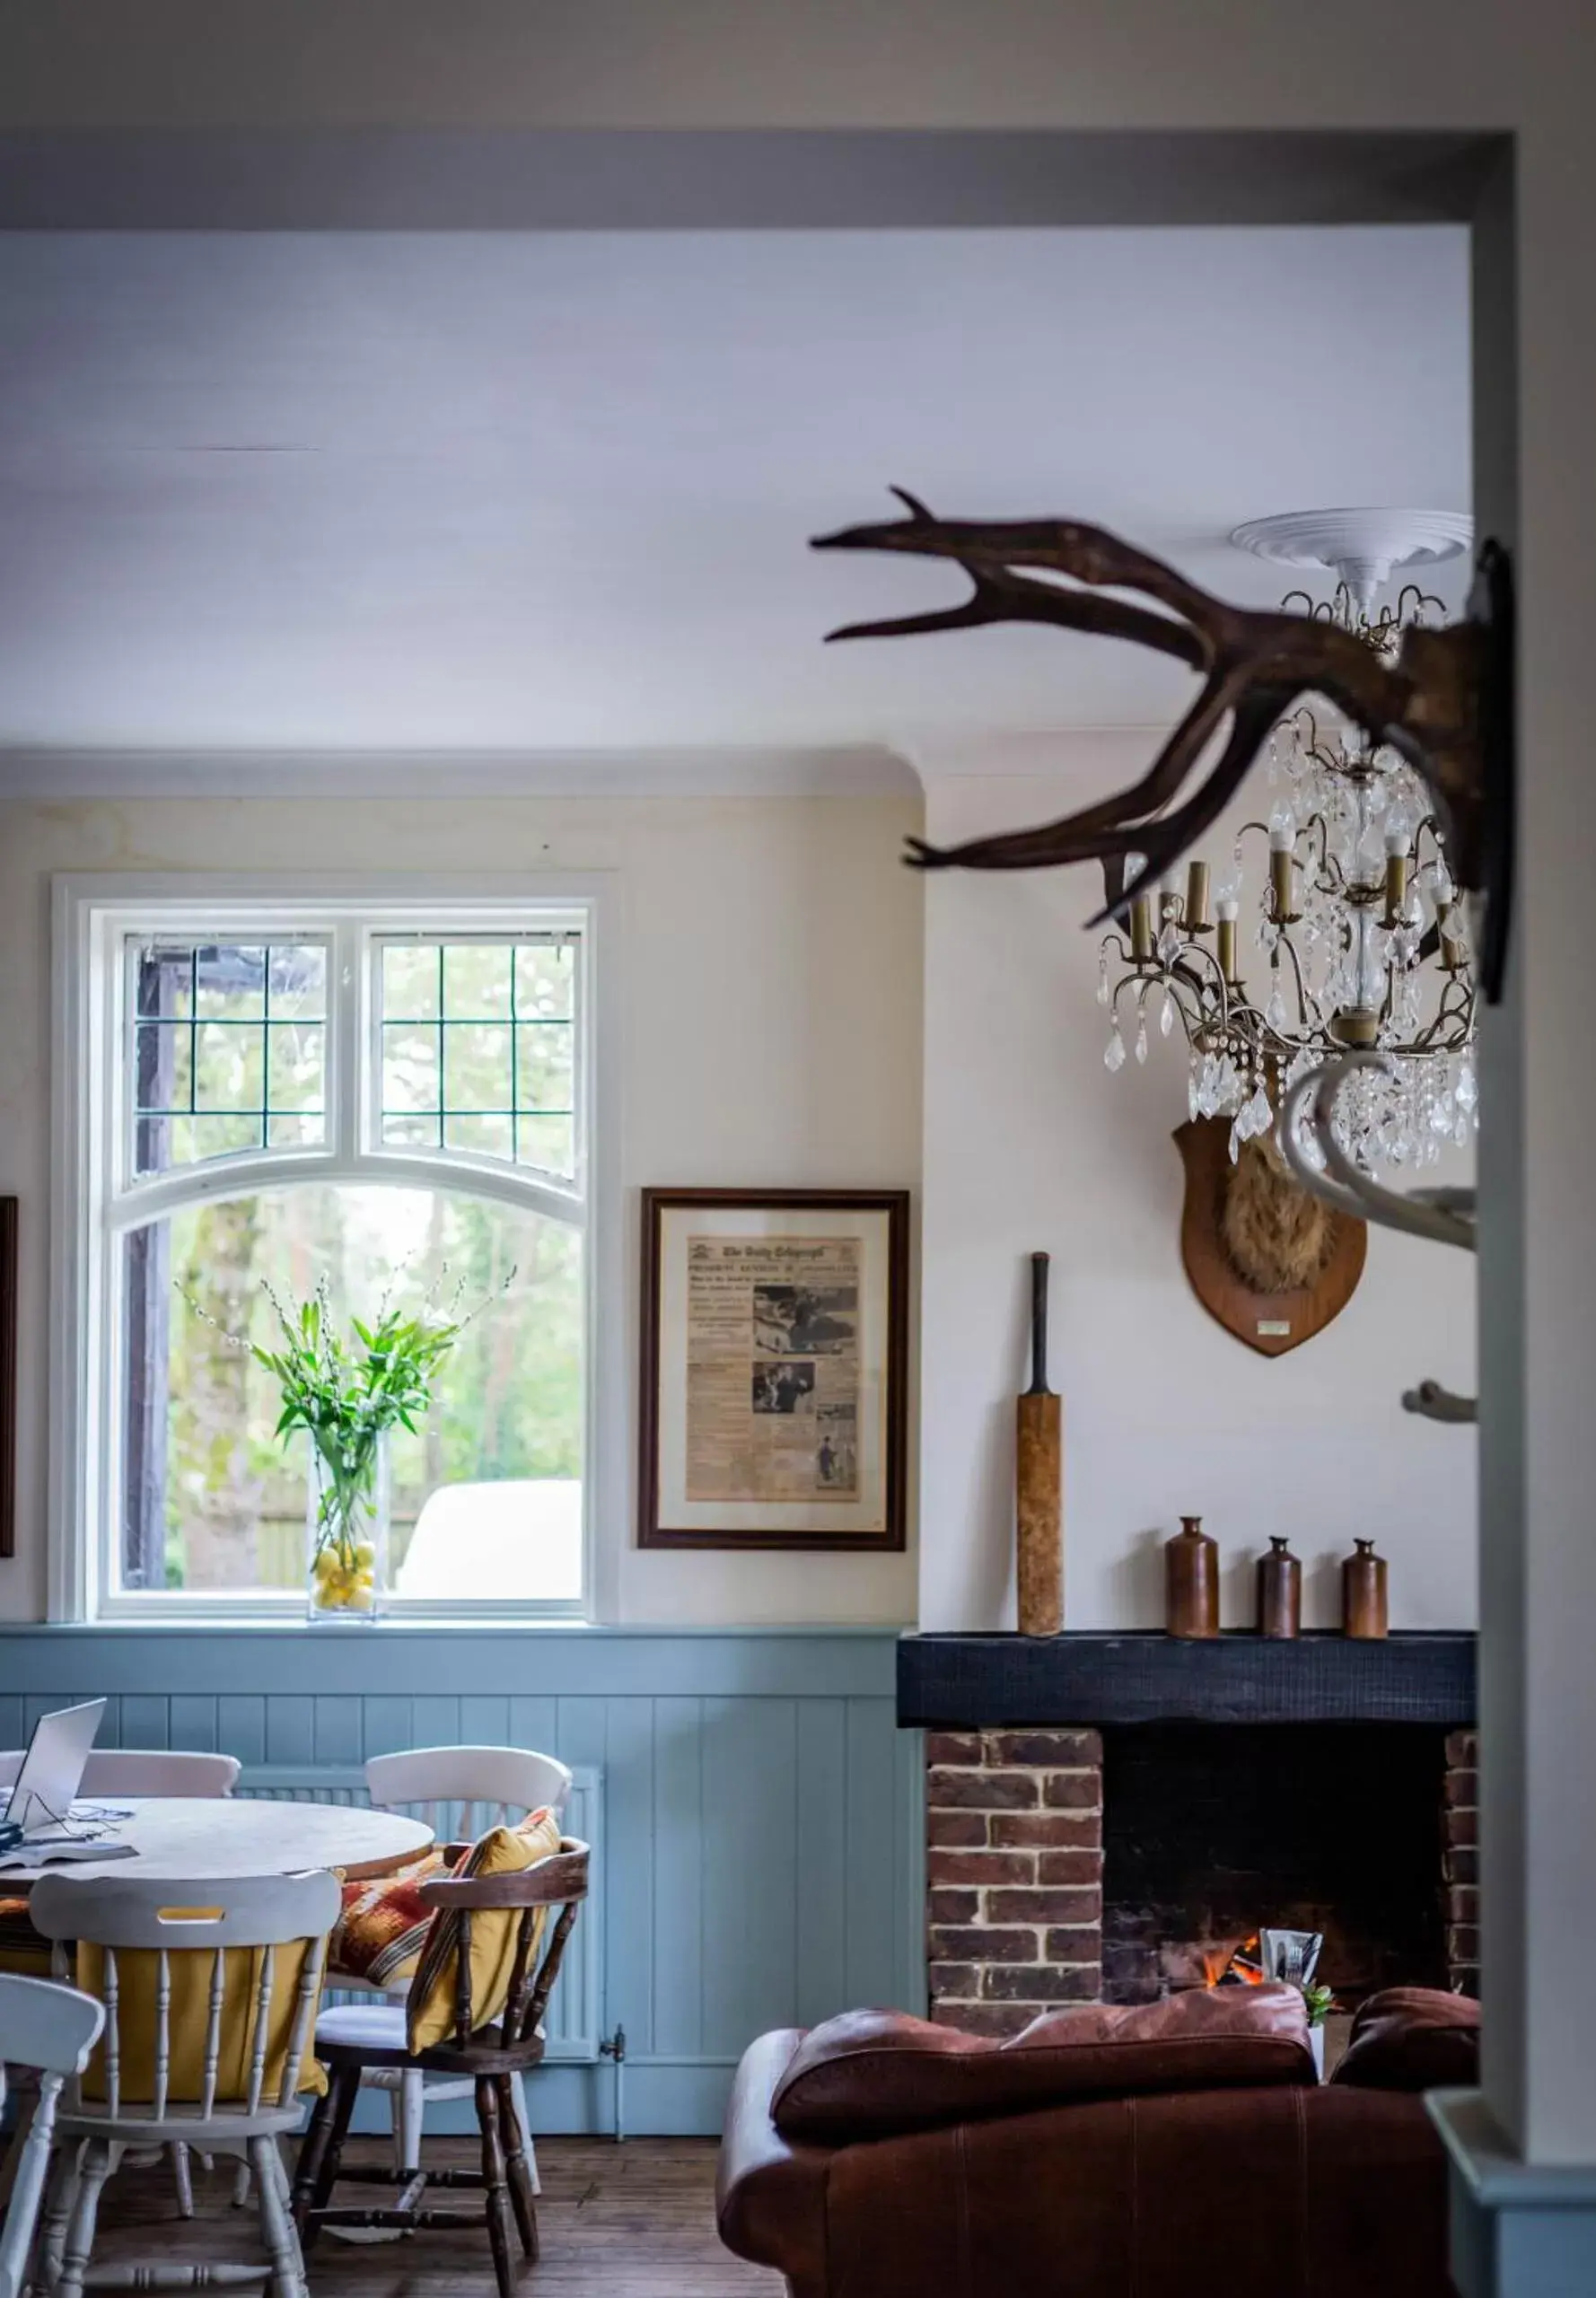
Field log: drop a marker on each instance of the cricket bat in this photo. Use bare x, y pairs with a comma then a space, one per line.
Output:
1038, 1459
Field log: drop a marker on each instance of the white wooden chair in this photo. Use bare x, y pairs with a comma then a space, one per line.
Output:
52, 2030
147, 1771
141, 1771
460, 1792
195, 1922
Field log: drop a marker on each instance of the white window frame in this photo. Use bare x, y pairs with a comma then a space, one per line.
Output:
95, 1198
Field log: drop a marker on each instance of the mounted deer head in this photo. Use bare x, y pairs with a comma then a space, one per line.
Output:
1444, 700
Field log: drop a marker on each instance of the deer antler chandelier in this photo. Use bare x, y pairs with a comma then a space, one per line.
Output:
1442, 698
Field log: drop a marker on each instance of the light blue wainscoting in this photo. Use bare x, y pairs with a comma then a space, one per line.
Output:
762, 1831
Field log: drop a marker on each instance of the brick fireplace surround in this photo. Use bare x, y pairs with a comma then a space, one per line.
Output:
1015, 1810
1013, 1874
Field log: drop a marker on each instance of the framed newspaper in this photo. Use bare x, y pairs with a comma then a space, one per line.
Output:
772, 1409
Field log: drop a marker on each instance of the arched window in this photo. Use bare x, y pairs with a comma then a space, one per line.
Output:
390, 1099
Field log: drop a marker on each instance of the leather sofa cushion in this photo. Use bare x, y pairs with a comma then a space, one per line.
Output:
870, 2074
1412, 2039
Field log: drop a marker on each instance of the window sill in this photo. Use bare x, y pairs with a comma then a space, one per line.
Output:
285, 1619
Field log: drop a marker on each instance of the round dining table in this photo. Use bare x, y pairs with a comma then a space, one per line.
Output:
188, 1838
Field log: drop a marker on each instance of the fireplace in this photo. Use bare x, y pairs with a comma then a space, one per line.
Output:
1211, 1829
1109, 1817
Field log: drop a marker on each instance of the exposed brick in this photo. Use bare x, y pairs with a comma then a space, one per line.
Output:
982, 1791
1049, 1831
1077, 1905
960, 1829
954, 1907
1465, 1979
1461, 1864
1074, 1790
980, 1944
954, 1747
1461, 1790
949, 1979
1463, 1903
1039, 1983
999, 2019
1069, 1867
980, 1866
1079, 1946
1462, 1943
1462, 1750
1053, 1750
1462, 1827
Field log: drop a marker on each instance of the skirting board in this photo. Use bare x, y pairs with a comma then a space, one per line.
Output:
1518, 2231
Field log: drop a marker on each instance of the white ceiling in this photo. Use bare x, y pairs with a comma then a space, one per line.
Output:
546, 492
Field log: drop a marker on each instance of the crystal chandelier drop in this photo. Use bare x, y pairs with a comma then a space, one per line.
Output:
1361, 939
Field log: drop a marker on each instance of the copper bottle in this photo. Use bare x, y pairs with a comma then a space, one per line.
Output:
1363, 1607
1191, 1580
1279, 1592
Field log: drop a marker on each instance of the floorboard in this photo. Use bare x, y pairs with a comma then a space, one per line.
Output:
636, 2221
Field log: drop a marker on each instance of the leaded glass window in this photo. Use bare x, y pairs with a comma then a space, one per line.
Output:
388, 1100
228, 1048
478, 1050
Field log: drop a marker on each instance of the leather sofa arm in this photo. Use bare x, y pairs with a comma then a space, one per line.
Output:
770, 2193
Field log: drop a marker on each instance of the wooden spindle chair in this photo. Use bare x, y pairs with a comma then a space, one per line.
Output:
186, 2096
111, 1772
458, 1792
351, 2039
52, 2030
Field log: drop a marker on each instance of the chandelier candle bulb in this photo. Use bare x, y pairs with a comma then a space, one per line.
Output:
1196, 899
1141, 929
1396, 876
1225, 944
1280, 874
1038, 1480
1454, 953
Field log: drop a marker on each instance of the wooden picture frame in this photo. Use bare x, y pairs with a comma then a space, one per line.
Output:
773, 1406
8, 1376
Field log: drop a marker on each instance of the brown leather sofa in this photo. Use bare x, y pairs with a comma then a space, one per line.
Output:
1173, 2151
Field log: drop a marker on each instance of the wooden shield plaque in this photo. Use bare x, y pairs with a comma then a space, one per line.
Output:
1272, 1264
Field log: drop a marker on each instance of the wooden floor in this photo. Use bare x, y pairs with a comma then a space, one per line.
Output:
636, 2221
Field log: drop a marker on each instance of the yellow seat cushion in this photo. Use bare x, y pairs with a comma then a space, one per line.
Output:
429, 2009
190, 2015
22, 1951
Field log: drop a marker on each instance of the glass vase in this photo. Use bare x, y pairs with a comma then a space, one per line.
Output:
347, 1539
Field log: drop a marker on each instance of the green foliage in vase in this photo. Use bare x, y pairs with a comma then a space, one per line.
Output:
1320, 2001
348, 1392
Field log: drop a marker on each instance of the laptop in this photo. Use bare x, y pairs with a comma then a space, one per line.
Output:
52, 1771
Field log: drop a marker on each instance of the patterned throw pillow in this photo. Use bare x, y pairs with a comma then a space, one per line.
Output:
379, 1936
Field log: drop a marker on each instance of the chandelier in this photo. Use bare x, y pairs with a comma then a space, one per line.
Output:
1360, 940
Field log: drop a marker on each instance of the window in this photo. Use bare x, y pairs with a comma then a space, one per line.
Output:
391, 1101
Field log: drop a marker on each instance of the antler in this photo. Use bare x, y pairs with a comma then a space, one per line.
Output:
1428, 703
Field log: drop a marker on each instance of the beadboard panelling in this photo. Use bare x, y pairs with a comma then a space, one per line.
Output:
762, 1837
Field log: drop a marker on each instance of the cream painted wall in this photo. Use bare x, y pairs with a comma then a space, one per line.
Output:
1030, 1143
769, 1023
